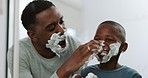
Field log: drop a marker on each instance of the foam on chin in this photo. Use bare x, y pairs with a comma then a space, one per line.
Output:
53, 43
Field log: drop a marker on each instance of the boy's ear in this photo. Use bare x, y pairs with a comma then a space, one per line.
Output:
32, 35
123, 47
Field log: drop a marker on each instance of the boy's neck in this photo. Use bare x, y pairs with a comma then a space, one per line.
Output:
109, 66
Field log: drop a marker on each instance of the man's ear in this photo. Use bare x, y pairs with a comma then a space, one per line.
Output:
123, 47
32, 35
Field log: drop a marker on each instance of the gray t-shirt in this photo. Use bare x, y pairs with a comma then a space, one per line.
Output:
33, 65
122, 72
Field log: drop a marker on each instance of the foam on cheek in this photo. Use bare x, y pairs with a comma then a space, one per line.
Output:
114, 49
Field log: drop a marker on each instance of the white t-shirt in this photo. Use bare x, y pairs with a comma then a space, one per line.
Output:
33, 65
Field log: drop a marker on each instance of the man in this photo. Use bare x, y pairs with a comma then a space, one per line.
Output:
112, 38
48, 52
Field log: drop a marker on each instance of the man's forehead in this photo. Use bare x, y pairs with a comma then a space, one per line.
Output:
55, 13
51, 14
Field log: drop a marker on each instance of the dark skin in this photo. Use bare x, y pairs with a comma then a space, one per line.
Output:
48, 22
110, 34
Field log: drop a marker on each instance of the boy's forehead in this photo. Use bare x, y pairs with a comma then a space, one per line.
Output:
107, 29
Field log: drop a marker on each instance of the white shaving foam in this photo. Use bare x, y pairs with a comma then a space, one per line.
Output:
53, 43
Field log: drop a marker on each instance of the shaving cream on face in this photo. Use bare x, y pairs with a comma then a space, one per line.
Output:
94, 54
53, 43
114, 50
101, 45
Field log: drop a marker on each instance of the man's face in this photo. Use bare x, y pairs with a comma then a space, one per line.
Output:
109, 34
48, 22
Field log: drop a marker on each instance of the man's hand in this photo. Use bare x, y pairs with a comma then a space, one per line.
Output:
76, 76
78, 58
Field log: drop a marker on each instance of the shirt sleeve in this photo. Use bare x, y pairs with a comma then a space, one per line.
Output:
54, 75
137, 76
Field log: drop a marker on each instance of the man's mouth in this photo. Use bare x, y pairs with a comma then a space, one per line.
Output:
62, 43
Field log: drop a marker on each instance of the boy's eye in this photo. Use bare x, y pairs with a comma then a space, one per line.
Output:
109, 40
96, 39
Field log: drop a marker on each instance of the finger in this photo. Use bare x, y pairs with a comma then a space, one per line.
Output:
86, 49
93, 42
77, 76
94, 46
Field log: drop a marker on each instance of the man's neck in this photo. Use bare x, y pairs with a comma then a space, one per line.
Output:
45, 52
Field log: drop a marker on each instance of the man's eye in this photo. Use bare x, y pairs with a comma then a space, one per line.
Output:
51, 27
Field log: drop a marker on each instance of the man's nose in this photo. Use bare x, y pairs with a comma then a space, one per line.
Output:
60, 29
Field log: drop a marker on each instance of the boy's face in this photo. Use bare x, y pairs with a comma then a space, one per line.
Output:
109, 34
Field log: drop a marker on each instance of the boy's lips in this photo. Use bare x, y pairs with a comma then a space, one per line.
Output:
103, 53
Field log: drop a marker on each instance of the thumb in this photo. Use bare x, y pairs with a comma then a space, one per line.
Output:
77, 76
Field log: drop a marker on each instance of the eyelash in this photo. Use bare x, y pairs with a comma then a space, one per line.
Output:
106, 40
96, 39
53, 26
109, 40
61, 21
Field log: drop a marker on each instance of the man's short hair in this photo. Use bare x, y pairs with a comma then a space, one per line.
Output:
29, 13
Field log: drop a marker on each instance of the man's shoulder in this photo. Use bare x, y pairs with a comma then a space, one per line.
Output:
73, 40
24, 43
25, 40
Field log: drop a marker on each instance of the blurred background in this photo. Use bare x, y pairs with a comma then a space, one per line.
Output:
82, 18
